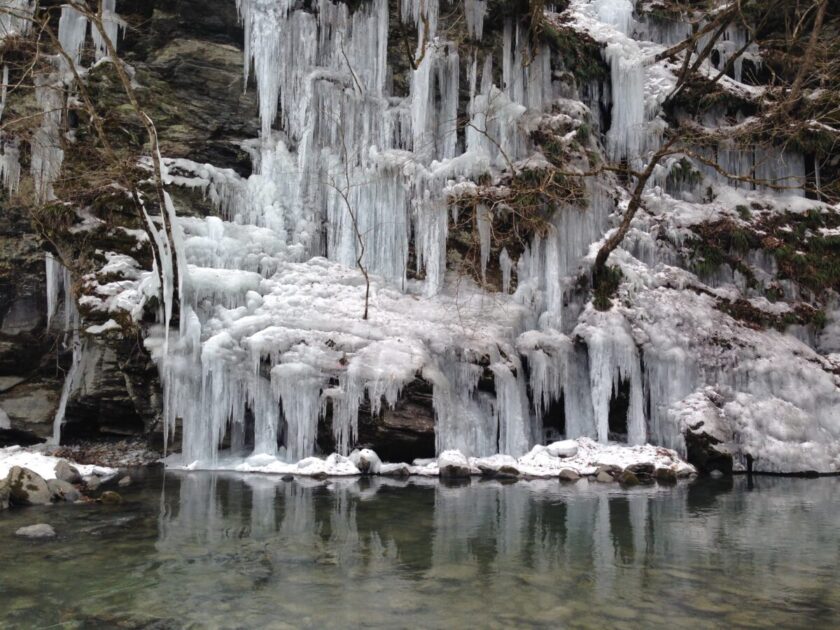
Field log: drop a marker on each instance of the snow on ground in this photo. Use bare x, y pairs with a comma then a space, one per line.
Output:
44, 465
582, 456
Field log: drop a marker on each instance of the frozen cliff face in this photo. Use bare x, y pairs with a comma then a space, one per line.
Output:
350, 208
350, 172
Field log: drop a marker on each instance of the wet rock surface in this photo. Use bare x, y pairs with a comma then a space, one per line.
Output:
41, 530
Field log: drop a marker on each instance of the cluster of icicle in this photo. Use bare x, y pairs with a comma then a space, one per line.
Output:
339, 156
349, 173
350, 170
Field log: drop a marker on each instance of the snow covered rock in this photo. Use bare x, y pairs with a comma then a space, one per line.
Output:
367, 461
564, 448
567, 474
453, 465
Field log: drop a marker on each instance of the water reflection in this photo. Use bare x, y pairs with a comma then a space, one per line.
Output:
224, 551
371, 551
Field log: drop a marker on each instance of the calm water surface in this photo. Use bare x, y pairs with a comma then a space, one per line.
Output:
205, 550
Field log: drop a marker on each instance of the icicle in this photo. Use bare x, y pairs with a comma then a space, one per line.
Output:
516, 434
72, 29
298, 387
506, 265
484, 224
55, 284
4, 89
47, 154
474, 11
71, 382
17, 19
113, 27
626, 133
613, 358
10, 167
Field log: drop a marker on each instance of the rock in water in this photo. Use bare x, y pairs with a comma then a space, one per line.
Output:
628, 478
453, 465
124, 482
641, 469
567, 474
606, 473
63, 491
564, 448
65, 472
604, 477
665, 475
109, 497
41, 530
27, 487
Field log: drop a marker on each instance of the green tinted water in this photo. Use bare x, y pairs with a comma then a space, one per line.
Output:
206, 550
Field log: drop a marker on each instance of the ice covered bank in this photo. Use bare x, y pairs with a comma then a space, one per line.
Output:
421, 221
567, 459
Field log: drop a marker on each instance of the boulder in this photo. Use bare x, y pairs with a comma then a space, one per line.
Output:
707, 452
63, 491
564, 448
603, 476
641, 469
628, 478
665, 475
124, 482
27, 487
567, 474
92, 482
396, 470
65, 472
607, 472
109, 497
453, 465
505, 471
41, 530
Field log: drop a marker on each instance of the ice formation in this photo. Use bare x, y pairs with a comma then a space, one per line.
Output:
352, 184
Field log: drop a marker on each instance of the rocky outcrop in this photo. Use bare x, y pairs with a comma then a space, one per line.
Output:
187, 60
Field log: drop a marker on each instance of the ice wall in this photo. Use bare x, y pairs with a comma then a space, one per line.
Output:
348, 211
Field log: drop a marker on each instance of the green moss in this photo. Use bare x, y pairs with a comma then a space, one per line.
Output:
683, 175
580, 55
582, 134
606, 286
